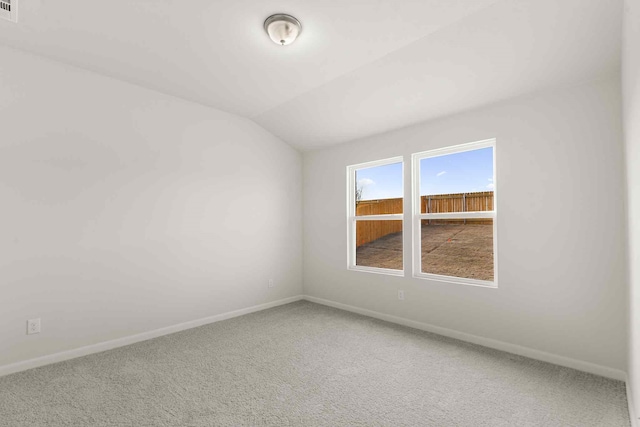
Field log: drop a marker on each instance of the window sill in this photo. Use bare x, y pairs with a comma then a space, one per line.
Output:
385, 271
457, 280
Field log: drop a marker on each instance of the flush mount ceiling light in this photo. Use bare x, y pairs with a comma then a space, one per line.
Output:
282, 29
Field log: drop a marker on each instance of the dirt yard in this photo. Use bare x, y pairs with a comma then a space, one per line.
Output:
449, 250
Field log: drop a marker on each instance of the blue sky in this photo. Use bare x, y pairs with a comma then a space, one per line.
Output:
464, 172
380, 182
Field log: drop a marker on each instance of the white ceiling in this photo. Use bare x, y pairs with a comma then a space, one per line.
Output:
360, 66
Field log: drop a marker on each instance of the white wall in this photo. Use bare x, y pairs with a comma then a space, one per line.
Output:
631, 114
124, 210
560, 224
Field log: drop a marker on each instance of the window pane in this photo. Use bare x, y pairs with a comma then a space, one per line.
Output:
459, 182
379, 244
458, 248
379, 190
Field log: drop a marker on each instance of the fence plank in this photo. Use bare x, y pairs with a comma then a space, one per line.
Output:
368, 231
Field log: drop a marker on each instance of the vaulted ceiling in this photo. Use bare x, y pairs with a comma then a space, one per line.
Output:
359, 67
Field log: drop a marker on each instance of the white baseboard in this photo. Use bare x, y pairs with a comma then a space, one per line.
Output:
132, 339
487, 342
580, 365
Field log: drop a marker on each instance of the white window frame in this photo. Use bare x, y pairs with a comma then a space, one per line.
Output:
352, 219
418, 216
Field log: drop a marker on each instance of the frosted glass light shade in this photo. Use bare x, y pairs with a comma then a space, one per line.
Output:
282, 29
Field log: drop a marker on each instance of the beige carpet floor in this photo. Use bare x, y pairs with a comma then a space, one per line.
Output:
303, 364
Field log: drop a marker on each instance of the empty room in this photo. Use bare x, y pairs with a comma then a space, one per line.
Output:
334, 213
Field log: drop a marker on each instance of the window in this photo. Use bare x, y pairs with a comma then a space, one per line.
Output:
454, 215
375, 218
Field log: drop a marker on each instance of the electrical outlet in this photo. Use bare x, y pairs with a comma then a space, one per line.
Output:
271, 283
33, 326
401, 295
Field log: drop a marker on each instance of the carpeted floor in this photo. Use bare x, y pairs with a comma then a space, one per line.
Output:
304, 364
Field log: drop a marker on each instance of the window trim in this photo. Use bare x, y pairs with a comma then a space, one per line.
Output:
352, 219
418, 216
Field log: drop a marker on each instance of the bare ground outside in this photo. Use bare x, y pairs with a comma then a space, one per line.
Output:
459, 250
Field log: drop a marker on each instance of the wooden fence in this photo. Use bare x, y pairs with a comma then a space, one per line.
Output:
368, 231
461, 202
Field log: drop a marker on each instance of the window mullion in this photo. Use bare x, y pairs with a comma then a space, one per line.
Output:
389, 217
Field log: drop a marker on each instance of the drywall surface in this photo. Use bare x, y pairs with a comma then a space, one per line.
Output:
125, 210
631, 114
561, 233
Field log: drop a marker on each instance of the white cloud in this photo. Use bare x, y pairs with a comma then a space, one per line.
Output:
441, 173
490, 186
365, 181
490, 179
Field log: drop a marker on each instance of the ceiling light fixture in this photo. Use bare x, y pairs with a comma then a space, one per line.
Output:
282, 29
